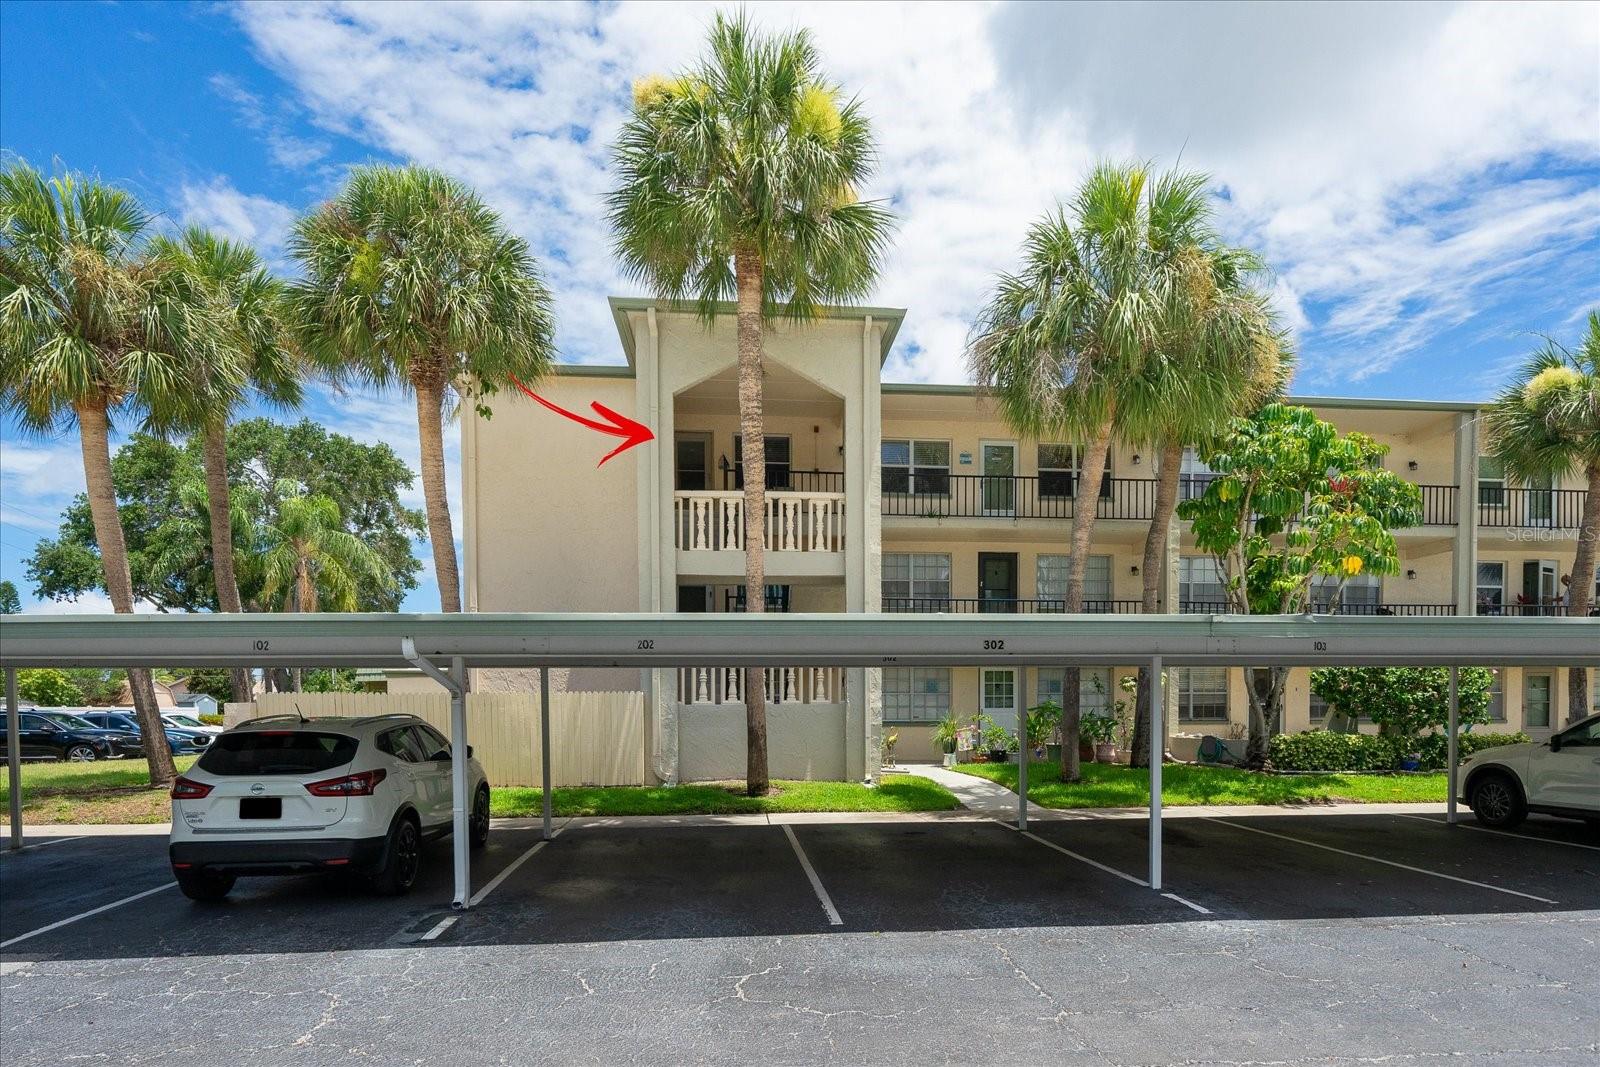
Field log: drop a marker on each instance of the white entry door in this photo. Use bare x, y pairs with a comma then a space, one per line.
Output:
999, 696
999, 477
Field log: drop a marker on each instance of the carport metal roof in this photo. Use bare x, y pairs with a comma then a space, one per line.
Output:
847, 640
757, 640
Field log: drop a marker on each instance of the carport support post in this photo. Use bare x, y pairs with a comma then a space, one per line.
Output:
14, 757
455, 683
1451, 743
544, 742
1024, 750
1158, 709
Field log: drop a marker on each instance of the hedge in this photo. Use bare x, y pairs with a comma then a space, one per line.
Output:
1320, 750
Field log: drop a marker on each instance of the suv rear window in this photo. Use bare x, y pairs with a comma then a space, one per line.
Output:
277, 752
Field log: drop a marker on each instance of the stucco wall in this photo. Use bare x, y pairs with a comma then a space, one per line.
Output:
803, 741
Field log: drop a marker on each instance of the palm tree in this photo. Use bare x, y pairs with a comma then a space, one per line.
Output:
1063, 343
89, 328
1224, 355
255, 352
410, 279
1546, 424
738, 179
309, 562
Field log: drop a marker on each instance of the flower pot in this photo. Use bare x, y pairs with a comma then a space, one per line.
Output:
1411, 763
1085, 751
1105, 752
998, 755
949, 759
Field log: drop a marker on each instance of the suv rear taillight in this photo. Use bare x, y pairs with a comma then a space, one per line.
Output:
351, 785
188, 789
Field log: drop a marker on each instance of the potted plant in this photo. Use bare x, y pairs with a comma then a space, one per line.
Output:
944, 735
998, 742
1100, 731
1043, 721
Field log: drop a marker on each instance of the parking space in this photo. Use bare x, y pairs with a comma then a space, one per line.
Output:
1046, 945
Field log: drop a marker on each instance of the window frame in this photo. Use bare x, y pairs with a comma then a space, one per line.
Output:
1041, 589
921, 479
916, 708
767, 441
911, 580
1183, 685
1187, 564
1050, 475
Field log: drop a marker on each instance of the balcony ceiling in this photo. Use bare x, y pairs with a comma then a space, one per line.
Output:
783, 392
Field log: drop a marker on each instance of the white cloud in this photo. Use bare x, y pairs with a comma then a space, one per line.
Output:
1384, 157
87, 604
287, 148
255, 220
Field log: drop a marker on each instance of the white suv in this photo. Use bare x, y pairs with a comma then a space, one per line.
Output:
1560, 776
285, 795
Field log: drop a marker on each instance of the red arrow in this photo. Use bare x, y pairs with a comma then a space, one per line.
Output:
618, 425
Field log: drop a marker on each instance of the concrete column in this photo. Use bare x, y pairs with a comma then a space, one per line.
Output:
863, 725
657, 556
1464, 555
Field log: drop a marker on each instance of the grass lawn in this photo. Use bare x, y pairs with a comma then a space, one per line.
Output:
1110, 786
105, 791
897, 793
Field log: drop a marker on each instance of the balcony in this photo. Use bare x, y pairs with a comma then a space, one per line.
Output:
1536, 509
781, 685
803, 534
1530, 609
987, 605
1221, 607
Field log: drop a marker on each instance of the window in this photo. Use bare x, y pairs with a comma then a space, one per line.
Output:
776, 447
1491, 588
916, 467
1202, 693
1094, 688
1200, 586
916, 694
402, 745
36, 722
1060, 466
260, 752
777, 599
1362, 594
915, 581
1193, 475
1491, 481
999, 691
432, 741
1319, 708
1497, 696
1535, 701
1051, 583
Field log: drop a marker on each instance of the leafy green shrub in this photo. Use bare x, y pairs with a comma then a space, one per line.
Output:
1404, 700
48, 688
1321, 750
211, 720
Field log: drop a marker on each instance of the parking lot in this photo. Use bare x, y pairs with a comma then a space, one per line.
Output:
1295, 938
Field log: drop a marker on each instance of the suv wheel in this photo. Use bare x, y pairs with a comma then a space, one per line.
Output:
82, 754
402, 859
204, 885
479, 826
1497, 800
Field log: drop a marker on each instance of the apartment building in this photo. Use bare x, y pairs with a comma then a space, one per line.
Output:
890, 497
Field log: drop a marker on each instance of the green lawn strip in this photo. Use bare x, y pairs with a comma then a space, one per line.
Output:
897, 793
1108, 786
104, 791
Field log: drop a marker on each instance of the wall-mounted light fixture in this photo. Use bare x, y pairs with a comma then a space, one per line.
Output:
722, 463
1136, 459
1412, 575
1411, 465
1133, 569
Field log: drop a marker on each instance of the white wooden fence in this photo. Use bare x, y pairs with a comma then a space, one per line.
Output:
596, 738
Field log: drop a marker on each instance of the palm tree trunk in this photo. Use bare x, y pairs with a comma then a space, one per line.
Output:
219, 502
752, 432
1155, 550
94, 435
1085, 503
1580, 595
441, 536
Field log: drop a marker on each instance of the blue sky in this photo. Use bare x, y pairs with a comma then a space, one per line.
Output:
1424, 179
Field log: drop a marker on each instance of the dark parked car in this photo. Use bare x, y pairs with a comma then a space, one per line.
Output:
47, 736
123, 742
183, 742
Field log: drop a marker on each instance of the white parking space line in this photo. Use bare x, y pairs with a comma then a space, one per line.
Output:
84, 915
4, 844
1124, 875
494, 883
811, 873
1497, 833
1187, 903
1380, 859
439, 927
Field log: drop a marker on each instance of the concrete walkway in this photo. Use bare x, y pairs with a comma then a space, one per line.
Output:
978, 795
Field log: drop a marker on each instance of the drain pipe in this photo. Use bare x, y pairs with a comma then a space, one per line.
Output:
453, 683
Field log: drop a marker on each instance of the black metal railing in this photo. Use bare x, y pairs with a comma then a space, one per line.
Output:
785, 480
1529, 609
1221, 607
1551, 509
1439, 505
1005, 606
1047, 496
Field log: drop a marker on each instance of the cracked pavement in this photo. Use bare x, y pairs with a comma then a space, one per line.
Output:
962, 943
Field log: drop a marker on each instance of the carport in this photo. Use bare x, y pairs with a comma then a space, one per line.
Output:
446, 646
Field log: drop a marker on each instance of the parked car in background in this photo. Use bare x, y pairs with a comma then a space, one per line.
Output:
184, 720
1560, 776
182, 742
43, 735
285, 795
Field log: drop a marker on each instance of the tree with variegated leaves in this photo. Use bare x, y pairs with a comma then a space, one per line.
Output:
1294, 501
